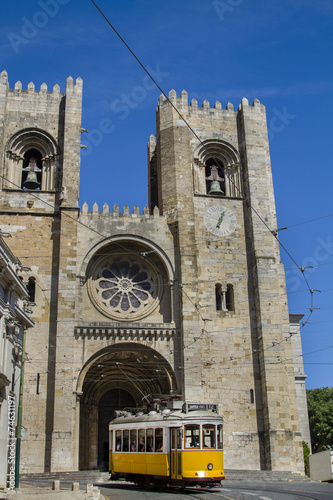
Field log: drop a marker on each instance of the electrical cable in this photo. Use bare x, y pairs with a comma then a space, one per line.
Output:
305, 222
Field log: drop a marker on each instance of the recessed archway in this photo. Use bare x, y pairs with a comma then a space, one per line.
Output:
112, 400
123, 376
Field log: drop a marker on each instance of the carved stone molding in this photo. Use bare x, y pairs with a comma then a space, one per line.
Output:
131, 333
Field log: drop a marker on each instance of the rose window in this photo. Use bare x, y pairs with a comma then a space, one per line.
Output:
124, 288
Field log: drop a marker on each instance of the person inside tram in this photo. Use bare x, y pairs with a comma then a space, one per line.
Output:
133, 445
141, 445
195, 442
159, 444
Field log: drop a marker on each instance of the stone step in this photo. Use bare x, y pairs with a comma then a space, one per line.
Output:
232, 475
237, 475
89, 476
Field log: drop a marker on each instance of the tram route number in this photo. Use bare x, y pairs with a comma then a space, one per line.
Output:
201, 406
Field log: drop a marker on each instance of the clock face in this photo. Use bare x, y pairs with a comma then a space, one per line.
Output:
220, 220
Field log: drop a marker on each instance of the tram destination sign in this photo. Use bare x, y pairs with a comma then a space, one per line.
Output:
200, 407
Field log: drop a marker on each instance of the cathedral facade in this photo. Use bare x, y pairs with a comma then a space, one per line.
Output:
182, 300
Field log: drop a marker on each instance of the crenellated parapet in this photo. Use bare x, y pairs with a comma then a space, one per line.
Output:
115, 212
31, 89
182, 104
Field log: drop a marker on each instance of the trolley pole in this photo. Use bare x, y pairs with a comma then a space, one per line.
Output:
19, 414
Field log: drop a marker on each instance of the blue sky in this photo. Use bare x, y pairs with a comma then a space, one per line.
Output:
279, 51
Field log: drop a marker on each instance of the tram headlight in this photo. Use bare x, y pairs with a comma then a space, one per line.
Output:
210, 466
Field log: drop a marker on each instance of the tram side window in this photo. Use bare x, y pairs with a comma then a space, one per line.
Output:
192, 436
118, 440
179, 438
150, 440
141, 441
220, 437
173, 439
176, 439
158, 440
208, 436
134, 440
125, 440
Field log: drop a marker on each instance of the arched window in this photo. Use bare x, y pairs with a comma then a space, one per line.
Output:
230, 301
224, 298
31, 286
32, 170
218, 296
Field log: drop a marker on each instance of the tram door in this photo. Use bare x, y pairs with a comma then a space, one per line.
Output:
175, 453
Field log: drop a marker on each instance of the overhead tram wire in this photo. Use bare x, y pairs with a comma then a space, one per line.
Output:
312, 267
305, 222
273, 232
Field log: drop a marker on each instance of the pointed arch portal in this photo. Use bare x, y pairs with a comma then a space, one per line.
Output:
123, 376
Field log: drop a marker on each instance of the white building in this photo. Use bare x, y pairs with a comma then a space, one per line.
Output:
13, 320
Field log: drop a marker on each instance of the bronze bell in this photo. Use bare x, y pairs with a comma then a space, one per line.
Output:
31, 181
215, 188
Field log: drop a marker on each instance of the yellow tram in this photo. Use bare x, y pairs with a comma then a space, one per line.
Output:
181, 447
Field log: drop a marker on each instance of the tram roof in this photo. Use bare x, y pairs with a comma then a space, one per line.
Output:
172, 416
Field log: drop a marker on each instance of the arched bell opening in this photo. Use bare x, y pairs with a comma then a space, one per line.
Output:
217, 169
125, 376
32, 161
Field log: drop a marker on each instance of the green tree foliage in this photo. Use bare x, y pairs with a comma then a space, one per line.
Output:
320, 407
306, 453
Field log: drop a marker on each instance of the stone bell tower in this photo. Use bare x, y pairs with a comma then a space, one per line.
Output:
212, 182
40, 166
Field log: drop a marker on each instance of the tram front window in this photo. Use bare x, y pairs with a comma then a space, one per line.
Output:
208, 436
192, 436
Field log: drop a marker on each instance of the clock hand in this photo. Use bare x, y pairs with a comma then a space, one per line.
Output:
219, 222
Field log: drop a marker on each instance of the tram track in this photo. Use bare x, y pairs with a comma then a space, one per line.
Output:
228, 492
250, 491
243, 492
